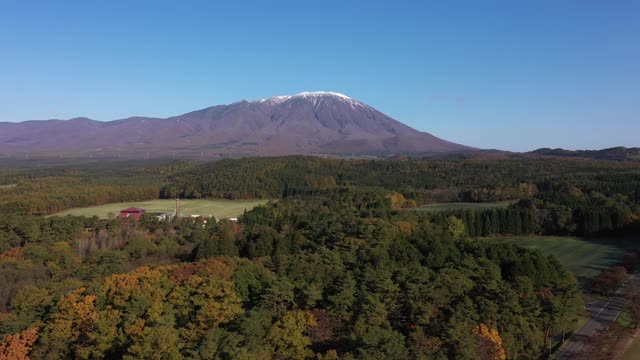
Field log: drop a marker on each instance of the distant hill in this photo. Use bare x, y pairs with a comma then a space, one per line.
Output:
307, 123
615, 153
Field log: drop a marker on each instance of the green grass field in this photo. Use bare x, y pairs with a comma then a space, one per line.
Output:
584, 257
7, 186
462, 205
204, 207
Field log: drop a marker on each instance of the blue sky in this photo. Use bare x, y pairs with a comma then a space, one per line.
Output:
512, 74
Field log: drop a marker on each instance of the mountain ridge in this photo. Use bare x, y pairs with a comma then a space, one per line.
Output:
300, 124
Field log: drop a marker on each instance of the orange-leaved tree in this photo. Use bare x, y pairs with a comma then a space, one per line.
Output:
490, 343
18, 346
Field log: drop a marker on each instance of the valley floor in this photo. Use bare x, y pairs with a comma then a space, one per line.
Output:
220, 208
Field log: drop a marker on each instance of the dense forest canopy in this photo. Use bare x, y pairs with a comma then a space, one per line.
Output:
556, 196
420, 180
336, 265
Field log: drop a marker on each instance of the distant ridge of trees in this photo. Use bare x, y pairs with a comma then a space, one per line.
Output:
614, 153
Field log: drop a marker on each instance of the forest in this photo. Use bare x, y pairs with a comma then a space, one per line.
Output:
337, 265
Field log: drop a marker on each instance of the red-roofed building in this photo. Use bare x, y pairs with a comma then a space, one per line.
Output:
132, 212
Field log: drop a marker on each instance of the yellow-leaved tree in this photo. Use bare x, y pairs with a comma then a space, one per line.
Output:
287, 335
490, 343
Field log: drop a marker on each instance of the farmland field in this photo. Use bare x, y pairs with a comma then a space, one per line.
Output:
585, 258
218, 207
462, 205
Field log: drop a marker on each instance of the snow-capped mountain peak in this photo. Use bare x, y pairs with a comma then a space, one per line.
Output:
307, 95
322, 93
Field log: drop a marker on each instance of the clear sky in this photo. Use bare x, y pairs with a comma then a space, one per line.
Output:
512, 74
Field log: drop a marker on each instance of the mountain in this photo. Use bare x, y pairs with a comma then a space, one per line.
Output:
306, 123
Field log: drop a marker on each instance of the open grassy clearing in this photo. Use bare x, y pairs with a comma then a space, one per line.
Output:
218, 207
584, 257
9, 186
462, 205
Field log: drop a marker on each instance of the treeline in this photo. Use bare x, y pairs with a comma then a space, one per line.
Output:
593, 214
44, 191
513, 220
50, 195
422, 181
557, 197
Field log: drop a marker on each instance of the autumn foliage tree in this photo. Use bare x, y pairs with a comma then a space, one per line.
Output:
288, 335
18, 346
608, 280
489, 343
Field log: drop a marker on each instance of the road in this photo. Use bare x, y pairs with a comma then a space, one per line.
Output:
603, 313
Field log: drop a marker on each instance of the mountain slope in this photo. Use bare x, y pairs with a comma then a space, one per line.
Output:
306, 123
